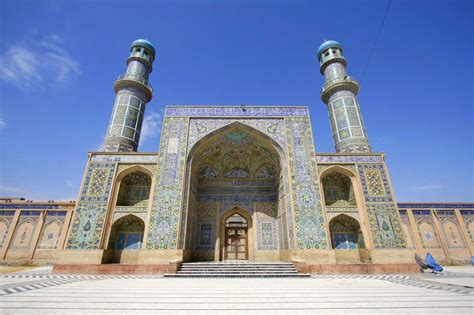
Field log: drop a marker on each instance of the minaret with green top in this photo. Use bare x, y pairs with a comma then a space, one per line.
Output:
133, 92
339, 94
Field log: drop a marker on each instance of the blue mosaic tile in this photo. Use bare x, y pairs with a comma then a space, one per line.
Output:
415, 205
28, 206
231, 111
349, 159
7, 213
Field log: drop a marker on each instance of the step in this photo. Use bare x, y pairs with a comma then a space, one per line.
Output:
240, 266
230, 270
237, 266
236, 263
243, 274
236, 269
235, 275
226, 267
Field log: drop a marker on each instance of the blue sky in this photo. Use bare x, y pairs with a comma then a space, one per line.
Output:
59, 59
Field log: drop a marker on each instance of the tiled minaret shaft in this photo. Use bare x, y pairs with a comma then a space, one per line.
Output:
339, 94
133, 92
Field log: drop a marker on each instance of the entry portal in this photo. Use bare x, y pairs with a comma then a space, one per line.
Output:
236, 238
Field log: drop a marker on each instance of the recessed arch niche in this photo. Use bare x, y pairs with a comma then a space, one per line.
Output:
236, 165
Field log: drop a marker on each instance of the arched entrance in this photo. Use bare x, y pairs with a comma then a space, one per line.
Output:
347, 240
126, 234
235, 167
236, 238
345, 233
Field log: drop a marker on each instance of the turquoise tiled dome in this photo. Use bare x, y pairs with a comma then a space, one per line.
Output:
145, 43
328, 44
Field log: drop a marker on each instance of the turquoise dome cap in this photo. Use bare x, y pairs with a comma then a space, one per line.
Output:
328, 44
145, 43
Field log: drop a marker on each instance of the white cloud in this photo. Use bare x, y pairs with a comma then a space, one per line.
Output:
3, 123
40, 61
151, 126
69, 183
11, 191
427, 187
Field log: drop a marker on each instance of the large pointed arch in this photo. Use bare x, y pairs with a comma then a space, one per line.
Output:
269, 146
228, 127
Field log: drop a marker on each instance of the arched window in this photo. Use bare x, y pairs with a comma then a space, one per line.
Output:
134, 190
338, 190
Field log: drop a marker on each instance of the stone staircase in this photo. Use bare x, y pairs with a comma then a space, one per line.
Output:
236, 269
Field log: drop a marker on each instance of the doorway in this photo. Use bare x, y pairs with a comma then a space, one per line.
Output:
236, 238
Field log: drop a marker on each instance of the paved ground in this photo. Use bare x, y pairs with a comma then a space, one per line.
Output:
39, 292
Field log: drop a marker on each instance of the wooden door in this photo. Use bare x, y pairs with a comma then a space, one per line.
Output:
236, 243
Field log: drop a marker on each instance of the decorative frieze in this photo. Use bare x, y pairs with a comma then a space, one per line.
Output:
349, 158
125, 158
235, 111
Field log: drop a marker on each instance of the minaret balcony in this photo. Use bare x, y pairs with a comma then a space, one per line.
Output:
125, 80
338, 84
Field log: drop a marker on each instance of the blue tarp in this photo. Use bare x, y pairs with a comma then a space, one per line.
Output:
430, 261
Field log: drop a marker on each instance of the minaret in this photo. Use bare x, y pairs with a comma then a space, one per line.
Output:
339, 94
132, 93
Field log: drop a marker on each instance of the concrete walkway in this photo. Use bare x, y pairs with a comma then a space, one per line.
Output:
461, 276
326, 294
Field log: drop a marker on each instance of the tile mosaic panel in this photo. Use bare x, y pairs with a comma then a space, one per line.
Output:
385, 226
165, 213
246, 205
28, 206
97, 183
424, 205
235, 111
310, 226
374, 183
135, 158
87, 226
199, 128
185, 210
89, 216
332, 214
122, 167
228, 155
206, 226
266, 226
349, 158
205, 237
287, 212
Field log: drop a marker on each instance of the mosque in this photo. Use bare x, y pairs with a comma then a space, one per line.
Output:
234, 183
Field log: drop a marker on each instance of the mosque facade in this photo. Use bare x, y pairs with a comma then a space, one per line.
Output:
236, 183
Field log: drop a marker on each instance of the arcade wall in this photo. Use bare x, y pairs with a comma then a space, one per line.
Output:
33, 230
36, 230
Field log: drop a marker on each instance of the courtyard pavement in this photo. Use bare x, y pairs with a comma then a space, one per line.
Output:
40, 292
